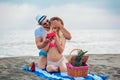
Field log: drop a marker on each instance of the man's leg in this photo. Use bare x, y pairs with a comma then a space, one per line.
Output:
42, 62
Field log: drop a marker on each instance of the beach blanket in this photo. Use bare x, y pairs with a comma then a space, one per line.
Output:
42, 73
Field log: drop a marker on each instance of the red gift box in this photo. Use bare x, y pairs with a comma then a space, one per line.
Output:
51, 35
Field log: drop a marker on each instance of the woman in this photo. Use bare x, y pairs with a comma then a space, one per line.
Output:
55, 60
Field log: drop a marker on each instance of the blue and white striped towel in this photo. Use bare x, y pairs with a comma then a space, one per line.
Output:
63, 76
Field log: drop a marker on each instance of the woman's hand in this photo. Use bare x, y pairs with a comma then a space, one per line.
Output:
56, 39
46, 43
51, 35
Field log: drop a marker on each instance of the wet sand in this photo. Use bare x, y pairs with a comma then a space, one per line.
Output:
105, 64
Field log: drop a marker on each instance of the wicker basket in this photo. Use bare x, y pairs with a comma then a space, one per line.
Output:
74, 71
80, 71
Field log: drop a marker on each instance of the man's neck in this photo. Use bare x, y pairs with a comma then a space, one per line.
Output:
47, 29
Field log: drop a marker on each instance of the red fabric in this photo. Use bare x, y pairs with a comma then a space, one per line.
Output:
51, 35
51, 44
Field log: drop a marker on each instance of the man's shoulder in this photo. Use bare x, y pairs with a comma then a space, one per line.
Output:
39, 27
39, 31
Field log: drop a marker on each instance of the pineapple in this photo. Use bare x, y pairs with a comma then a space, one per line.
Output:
78, 60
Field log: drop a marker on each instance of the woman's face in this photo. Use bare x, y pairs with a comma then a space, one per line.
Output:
55, 29
54, 26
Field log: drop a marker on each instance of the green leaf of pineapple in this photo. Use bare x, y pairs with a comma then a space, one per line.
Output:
78, 60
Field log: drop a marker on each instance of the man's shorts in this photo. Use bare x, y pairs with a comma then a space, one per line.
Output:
42, 53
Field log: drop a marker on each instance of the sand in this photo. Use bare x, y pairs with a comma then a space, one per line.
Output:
105, 64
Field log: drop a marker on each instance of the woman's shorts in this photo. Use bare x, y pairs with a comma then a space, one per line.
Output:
55, 63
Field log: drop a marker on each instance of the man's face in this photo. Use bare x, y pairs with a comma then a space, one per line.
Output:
45, 23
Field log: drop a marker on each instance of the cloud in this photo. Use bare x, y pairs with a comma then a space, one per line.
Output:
17, 16
80, 16
74, 16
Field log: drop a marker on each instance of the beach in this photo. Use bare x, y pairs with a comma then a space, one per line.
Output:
104, 64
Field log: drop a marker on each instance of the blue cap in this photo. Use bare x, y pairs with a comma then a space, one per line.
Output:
40, 18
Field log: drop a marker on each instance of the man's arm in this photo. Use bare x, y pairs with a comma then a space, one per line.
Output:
41, 44
65, 32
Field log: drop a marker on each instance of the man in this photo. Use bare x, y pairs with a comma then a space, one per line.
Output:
44, 26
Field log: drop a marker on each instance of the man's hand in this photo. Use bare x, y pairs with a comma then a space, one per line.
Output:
65, 32
57, 24
47, 40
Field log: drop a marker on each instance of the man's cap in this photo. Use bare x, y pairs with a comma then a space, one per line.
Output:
40, 18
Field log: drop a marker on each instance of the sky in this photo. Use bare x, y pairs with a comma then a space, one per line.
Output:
76, 14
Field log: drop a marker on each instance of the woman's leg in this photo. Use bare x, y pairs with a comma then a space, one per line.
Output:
62, 66
42, 62
52, 68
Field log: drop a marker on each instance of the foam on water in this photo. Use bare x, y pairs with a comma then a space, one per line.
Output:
22, 42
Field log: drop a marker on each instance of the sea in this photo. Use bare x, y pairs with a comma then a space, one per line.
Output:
21, 42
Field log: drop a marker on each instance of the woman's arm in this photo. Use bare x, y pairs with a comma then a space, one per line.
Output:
60, 47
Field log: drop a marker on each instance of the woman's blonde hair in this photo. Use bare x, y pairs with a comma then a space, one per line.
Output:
58, 19
60, 34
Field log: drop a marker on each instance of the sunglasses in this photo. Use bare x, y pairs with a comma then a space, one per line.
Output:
45, 22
